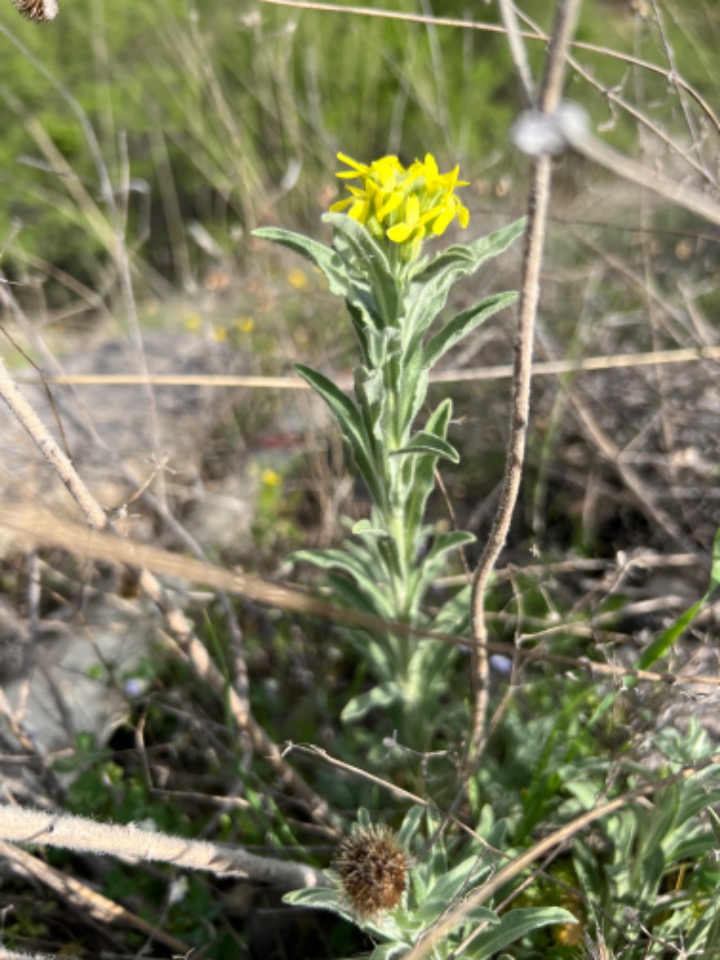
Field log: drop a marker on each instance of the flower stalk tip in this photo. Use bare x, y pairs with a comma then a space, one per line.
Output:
402, 205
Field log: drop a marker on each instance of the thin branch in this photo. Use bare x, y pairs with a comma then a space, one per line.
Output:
41, 527
537, 35
29, 420
538, 203
518, 50
83, 835
503, 371
89, 901
179, 624
592, 148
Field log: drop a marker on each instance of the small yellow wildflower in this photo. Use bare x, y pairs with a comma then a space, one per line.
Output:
220, 334
193, 321
402, 205
270, 478
297, 278
245, 324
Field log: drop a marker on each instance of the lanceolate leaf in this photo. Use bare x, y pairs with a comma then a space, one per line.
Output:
324, 258
662, 643
516, 924
365, 528
452, 540
424, 479
380, 697
424, 442
430, 287
321, 898
413, 386
357, 247
463, 324
467, 259
350, 423
353, 566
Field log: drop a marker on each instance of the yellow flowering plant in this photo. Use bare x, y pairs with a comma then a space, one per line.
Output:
396, 297
400, 207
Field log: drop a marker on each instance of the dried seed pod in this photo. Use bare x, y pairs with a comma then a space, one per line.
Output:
41, 11
372, 867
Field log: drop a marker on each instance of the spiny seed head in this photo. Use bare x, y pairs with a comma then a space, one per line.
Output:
372, 867
39, 10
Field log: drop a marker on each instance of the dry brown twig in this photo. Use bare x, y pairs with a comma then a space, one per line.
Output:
540, 368
19, 825
90, 901
178, 623
538, 202
43, 528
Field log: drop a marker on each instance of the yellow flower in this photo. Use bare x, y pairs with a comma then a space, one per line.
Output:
402, 205
245, 324
270, 478
297, 278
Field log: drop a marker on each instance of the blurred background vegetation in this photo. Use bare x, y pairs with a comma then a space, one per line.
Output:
229, 114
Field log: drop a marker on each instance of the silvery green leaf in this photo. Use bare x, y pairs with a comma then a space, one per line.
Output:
320, 898
430, 911
463, 324
351, 425
413, 386
387, 951
360, 251
430, 286
324, 258
379, 343
349, 594
366, 528
468, 257
380, 697
424, 473
516, 924
460, 880
345, 561
363, 817
410, 826
424, 442
451, 540
435, 560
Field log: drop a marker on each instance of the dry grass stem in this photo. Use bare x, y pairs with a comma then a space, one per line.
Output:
81, 834
94, 514
90, 902
538, 203
43, 528
540, 368
534, 35
179, 624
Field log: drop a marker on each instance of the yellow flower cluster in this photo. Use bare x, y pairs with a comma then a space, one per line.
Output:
402, 205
